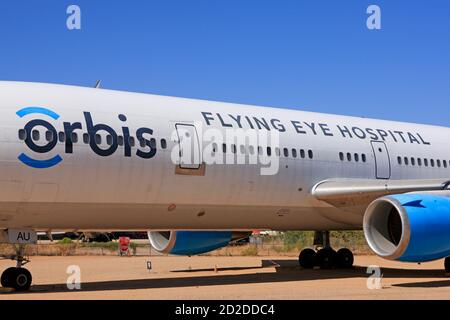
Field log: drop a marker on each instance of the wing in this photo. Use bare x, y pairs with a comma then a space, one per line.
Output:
359, 192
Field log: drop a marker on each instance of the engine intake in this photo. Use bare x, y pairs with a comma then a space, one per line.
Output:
409, 227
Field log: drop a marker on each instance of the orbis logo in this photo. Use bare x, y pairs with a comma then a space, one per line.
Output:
69, 136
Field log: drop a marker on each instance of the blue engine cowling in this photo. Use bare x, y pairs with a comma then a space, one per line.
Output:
188, 243
413, 227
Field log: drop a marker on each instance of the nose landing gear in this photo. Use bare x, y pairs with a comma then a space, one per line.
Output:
326, 257
17, 278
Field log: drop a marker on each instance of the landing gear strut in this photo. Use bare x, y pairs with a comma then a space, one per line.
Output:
325, 257
18, 277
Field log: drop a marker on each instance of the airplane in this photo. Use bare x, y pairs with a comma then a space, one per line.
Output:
198, 174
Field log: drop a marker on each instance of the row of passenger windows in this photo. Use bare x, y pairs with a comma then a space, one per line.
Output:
423, 162
36, 136
356, 157
294, 153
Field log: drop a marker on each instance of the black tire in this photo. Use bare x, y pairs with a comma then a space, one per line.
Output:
345, 258
21, 279
7, 275
306, 258
326, 258
447, 265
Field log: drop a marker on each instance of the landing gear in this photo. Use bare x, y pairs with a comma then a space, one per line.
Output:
7, 276
18, 277
447, 265
307, 258
326, 257
345, 258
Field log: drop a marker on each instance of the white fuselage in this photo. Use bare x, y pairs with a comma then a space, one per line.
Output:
87, 191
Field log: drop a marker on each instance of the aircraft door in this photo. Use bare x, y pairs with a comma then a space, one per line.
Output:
190, 146
382, 160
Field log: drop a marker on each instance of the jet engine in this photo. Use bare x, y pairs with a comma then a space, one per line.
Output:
413, 227
192, 242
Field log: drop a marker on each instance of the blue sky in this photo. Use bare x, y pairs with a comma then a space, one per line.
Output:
312, 55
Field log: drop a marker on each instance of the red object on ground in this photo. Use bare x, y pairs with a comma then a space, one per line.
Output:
124, 246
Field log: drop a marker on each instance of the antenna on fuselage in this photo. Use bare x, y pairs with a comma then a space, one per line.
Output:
98, 84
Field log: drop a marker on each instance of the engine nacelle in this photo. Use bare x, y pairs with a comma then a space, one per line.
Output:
409, 227
188, 243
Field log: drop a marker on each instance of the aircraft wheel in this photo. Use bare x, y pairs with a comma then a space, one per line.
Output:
7, 276
447, 265
344, 258
20, 279
306, 258
326, 258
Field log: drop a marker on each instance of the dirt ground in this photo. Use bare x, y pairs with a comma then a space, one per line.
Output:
109, 277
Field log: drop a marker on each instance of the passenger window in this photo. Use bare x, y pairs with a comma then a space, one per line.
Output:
406, 161
341, 156
142, 143
62, 137
251, 150
109, 140
22, 134
294, 153
49, 136
98, 139
432, 162
438, 163
233, 148
260, 151
86, 138
364, 158
277, 152
349, 157
286, 152
425, 162
302, 154
419, 162
132, 141
356, 157
152, 143
74, 137
164, 144
413, 161
399, 160
444, 163
242, 149
120, 140
35, 135
224, 148
269, 151
214, 147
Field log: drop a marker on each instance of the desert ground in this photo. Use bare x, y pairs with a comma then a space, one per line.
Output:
209, 277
